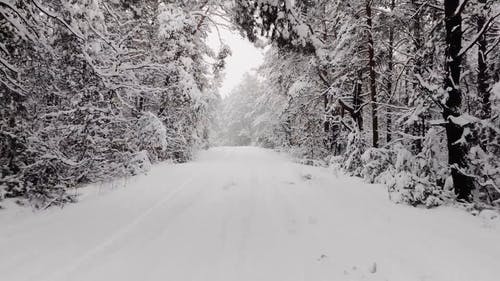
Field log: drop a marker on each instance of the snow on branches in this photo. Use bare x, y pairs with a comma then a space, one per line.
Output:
93, 89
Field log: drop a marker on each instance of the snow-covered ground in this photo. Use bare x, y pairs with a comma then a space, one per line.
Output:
244, 214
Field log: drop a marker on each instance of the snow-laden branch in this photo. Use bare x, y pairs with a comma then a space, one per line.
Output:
108, 42
461, 7
493, 46
483, 30
10, 81
59, 19
430, 89
12, 7
8, 65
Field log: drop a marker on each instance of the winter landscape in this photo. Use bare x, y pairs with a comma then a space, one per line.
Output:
249, 140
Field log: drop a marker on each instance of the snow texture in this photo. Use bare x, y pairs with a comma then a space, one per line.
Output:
245, 214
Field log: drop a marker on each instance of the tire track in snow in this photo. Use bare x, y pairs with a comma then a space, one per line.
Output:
121, 232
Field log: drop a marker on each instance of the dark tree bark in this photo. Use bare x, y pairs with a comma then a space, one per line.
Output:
456, 151
372, 74
356, 109
417, 40
482, 75
356, 102
390, 70
328, 127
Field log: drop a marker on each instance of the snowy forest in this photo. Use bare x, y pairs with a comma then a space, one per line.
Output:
400, 92
403, 93
362, 142
93, 90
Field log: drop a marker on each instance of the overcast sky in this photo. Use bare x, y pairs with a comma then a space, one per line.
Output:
245, 57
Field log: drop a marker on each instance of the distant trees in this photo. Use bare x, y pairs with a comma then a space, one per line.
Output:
239, 113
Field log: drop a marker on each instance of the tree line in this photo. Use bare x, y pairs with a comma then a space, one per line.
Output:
92, 90
400, 92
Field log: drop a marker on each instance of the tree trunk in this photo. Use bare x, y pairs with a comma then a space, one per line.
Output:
372, 74
356, 102
417, 38
390, 70
482, 75
456, 151
328, 139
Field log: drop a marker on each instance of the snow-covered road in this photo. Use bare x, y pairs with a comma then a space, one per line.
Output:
244, 214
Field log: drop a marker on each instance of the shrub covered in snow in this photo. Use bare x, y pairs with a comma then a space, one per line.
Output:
151, 136
352, 161
139, 164
416, 179
376, 162
411, 179
486, 167
406, 183
484, 156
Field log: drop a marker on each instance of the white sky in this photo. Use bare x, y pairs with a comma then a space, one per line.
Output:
245, 57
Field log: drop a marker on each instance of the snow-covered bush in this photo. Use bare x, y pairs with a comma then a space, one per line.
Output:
139, 164
352, 161
377, 161
484, 155
411, 179
486, 167
151, 136
414, 180
43, 181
